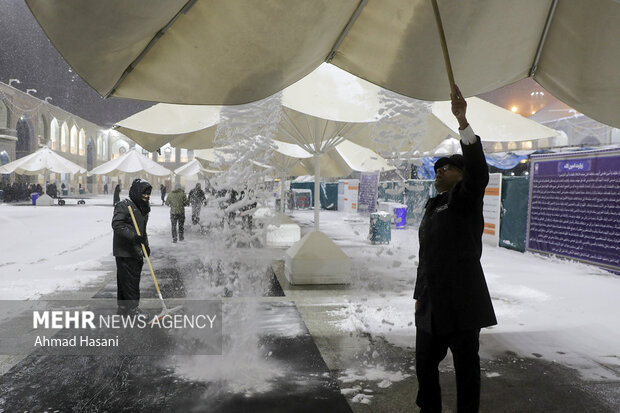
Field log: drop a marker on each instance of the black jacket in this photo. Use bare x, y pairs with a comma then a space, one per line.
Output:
450, 287
125, 243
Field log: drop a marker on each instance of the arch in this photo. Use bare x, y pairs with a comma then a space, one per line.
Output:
82, 142
4, 115
43, 129
119, 147
54, 134
590, 141
74, 139
100, 148
4, 158
90, 154
25, 137
64, 137
104, 152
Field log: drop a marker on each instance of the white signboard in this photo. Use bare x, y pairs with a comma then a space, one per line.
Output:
491, 210
347, 195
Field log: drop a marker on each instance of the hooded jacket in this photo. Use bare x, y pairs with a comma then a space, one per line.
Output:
177, 201
125, 243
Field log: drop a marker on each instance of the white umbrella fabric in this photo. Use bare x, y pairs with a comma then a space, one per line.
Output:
493, 123
131, 162
42, 161
193, 168
229, 52
183, 126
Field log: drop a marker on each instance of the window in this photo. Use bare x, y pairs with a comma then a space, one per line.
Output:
54, 132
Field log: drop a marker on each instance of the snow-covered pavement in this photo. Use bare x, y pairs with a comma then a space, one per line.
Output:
547, 308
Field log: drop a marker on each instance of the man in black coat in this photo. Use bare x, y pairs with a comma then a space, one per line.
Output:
453, 301
127, 248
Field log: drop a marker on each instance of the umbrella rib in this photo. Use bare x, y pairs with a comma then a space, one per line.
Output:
149, 46
345, 31
301, 140
543, 38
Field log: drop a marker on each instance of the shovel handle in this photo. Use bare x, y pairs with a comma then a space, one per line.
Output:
135, 223
444, 46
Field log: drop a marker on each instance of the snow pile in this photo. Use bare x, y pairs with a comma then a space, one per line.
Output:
378, 374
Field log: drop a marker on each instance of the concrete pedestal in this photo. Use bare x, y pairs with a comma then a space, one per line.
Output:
45, 200
316, 259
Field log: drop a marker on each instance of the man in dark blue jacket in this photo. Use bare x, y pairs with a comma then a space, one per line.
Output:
127, 245
453, 301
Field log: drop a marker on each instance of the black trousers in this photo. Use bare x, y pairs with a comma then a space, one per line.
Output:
430, 350
177, 219
128, 282
196, 208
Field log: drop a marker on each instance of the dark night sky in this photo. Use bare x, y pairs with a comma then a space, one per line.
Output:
26, 54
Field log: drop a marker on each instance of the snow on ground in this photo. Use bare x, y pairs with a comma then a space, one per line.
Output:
559, 310
45, 249
546, 307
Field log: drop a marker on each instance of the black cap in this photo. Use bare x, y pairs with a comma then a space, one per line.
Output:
455, 160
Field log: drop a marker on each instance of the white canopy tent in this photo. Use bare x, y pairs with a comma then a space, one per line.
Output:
42, 161
194, 168
132, 162
180, 52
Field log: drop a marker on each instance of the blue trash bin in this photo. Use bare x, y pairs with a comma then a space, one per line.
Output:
34, 197
400, 217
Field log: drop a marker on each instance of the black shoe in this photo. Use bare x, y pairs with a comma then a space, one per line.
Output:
174, 240
181, 238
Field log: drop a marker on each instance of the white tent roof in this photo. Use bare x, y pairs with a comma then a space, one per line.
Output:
131, 162
41, 161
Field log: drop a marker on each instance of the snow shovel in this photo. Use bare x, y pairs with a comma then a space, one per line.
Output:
165, 311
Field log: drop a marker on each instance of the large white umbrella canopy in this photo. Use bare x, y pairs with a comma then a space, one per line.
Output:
233, 52
131, 162
182, 126
42, 161
193, 168
493, 123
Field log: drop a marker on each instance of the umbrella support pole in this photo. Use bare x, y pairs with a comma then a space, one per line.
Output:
444, 45
317, 189
282, 193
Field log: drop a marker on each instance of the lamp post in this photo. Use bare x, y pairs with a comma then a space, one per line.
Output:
14, 80
31, 90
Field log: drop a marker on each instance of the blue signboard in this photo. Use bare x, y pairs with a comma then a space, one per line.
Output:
574, 208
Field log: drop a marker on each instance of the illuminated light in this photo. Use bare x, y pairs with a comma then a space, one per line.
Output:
533, 112
514, 109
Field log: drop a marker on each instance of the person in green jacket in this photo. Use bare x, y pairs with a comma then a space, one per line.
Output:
177, 201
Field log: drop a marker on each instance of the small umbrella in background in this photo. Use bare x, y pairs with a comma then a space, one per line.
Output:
42, 161
132, 162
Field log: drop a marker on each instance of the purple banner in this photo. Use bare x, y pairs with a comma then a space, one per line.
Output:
368, 192
574, 207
